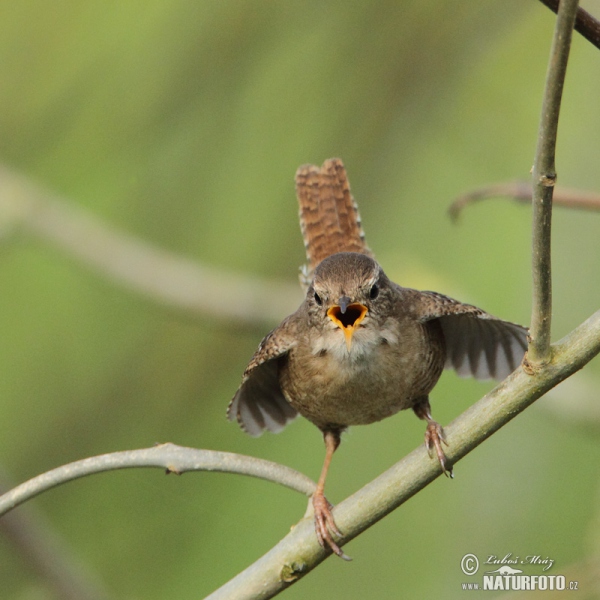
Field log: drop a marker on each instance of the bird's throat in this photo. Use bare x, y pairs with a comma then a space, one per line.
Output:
348, 320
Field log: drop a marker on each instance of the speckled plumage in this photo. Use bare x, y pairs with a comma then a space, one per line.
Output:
398, 349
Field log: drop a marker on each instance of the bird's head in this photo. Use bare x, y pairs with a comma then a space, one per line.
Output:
345, 293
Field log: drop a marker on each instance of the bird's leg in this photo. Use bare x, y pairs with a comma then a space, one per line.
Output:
324, 523
434, 434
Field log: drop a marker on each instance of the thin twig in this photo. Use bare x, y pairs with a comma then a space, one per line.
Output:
299, 552
585, 24
521, 191
161, 276
172, 458
544, 178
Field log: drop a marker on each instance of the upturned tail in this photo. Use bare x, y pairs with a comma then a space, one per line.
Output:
329, 216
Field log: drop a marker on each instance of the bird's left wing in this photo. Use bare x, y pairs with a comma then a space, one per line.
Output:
477, 344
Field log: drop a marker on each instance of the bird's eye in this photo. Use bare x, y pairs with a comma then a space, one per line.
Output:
374, 292
318, 299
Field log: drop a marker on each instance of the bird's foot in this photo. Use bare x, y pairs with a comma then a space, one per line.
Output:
325, 525
434, 437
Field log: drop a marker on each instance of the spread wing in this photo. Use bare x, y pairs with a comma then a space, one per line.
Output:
259, 403
477, 344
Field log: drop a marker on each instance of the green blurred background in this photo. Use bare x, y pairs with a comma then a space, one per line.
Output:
183, 123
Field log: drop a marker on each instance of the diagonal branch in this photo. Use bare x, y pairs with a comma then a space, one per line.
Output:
544, 178
172, 458
161, 276
585, 24
299, 552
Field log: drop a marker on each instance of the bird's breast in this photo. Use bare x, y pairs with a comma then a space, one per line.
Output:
383, 372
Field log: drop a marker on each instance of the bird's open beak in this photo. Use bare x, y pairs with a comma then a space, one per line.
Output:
347, 317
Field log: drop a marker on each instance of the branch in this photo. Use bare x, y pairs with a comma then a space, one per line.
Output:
585, 24
299, 552
521, 191
162, 276
544, 177
175, 459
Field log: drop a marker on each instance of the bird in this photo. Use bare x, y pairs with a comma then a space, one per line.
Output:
360, 347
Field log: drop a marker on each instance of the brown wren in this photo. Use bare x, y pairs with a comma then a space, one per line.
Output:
360, 348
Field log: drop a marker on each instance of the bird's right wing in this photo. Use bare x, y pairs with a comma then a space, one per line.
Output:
259, 404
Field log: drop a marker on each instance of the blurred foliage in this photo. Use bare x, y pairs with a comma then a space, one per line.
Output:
183, 123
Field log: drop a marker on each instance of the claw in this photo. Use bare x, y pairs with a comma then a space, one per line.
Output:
325, 525
434, 437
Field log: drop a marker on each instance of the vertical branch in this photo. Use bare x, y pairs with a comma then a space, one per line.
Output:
544, 177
